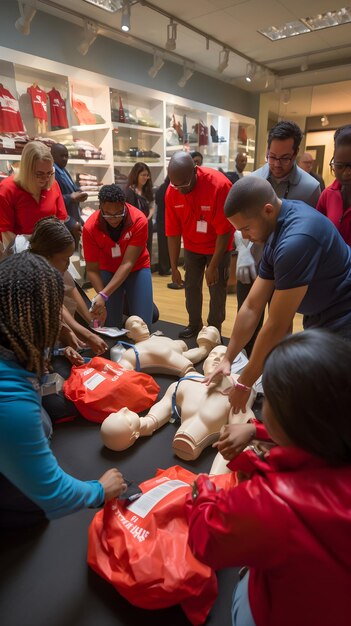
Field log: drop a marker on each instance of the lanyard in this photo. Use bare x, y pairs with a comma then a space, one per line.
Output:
137, 360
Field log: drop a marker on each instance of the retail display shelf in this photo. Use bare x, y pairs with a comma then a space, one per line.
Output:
182, 147
89, 128
127, 163
144, 129
10, 157
90, 162
91, 199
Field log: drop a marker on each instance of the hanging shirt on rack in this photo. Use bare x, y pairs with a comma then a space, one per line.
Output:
38, 97
58, 111
10, 117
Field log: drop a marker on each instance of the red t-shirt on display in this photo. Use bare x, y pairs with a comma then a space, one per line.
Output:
38, 97
19, 212
58, 112
100, 248
199, 215
10, 117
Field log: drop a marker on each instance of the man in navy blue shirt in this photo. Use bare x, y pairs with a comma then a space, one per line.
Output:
305, 268
72, 195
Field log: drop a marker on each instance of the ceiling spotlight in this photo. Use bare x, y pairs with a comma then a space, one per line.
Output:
90, 34
187, 73
157, 65
223, 60
108, 5
23, 22
250, 72
125, 18
171, 42
324, 120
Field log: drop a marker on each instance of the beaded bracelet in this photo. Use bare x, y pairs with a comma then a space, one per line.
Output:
241, 387
104, 296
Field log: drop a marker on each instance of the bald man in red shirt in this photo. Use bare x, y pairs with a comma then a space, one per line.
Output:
194, 211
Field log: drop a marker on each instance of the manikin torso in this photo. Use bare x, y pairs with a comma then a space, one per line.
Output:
159, 354
203, 411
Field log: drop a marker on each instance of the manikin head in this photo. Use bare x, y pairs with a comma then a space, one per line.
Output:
120, 430
214, 358
137, 329
209, 337
253, 207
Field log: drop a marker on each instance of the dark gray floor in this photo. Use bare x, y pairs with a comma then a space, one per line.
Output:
44, 577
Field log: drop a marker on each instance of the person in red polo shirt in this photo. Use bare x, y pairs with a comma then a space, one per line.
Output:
30, 194
117, 260
194, 210
335, 201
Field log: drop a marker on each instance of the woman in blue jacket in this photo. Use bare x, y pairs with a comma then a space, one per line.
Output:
33, 487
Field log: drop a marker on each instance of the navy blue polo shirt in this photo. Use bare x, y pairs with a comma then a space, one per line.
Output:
306, 249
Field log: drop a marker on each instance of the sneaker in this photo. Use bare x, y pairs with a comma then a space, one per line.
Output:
189, 331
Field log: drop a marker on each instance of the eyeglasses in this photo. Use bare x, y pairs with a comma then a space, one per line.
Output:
284, 160
42, 175
339, 167
186, 184
113, 216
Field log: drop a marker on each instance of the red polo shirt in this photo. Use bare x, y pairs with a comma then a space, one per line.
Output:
19, 211
100, 248
199, 215
331, 204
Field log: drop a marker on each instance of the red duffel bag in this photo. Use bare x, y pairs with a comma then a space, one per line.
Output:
101, 387
142, 548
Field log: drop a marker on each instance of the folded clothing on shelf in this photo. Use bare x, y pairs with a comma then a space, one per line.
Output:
88, 183
13, 143
83, 115
80, 149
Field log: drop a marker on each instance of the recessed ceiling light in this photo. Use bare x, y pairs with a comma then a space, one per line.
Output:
308, 24
108, 5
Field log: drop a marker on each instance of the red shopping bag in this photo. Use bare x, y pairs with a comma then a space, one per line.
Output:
142, 548
101, 387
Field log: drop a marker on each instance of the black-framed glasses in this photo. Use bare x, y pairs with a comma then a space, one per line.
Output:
113, 216
284, 160
338, 166
186, 185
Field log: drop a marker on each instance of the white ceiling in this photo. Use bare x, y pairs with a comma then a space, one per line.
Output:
234, 23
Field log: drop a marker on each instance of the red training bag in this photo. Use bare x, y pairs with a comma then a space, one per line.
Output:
101, 387
142, 548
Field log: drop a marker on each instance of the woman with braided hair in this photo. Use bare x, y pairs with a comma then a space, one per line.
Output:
52, 240
33, 487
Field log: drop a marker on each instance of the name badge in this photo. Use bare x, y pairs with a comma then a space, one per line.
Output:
116, 251
201, 226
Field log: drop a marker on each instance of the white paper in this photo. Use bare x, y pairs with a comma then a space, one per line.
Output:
239, 363
110, 331
94, 381
148, 500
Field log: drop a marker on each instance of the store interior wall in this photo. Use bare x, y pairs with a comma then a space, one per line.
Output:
303, 107
57, 39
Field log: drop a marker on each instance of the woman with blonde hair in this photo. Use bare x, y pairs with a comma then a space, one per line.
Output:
29, 195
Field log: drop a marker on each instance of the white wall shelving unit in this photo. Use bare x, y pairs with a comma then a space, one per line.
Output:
143, 131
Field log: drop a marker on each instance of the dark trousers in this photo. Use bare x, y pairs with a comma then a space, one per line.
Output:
242, 291
164, 264
195, 265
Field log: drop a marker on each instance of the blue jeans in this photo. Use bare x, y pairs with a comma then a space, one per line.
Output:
241, 612
137, 288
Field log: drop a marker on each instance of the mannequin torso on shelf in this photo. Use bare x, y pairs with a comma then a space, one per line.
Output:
158, 354
203, 411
